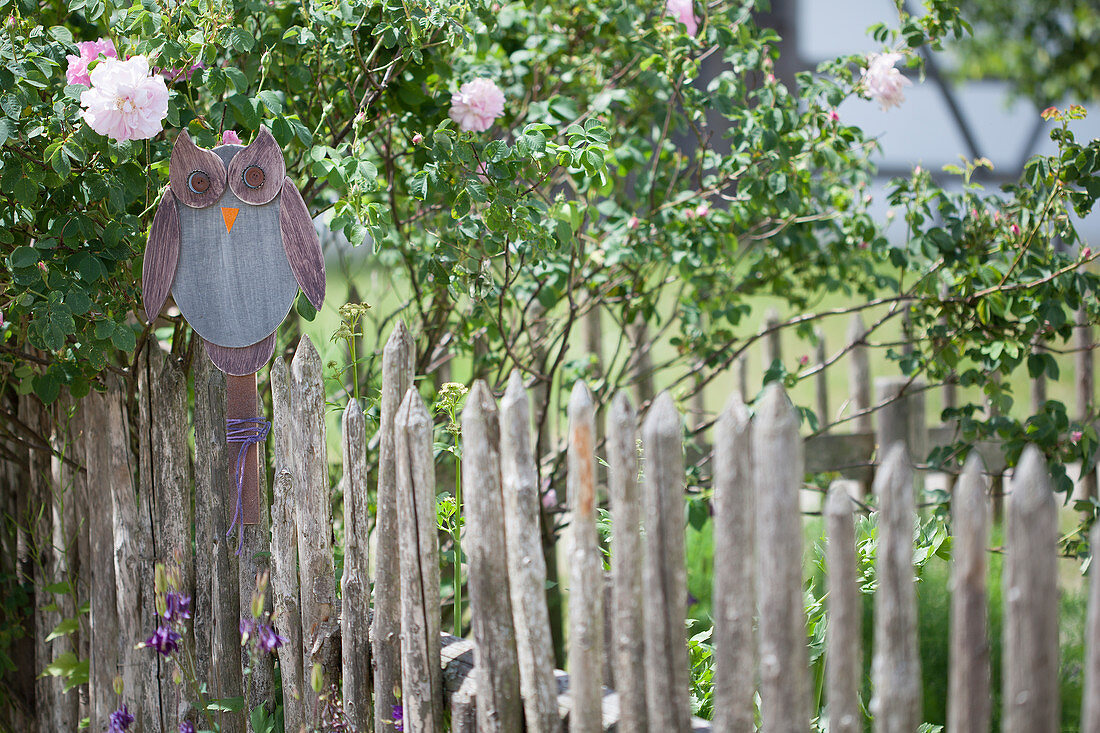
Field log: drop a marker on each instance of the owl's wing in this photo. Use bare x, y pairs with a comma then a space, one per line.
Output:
161, 256
303, 247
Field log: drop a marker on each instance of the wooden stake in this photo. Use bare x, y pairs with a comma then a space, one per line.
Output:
244, 404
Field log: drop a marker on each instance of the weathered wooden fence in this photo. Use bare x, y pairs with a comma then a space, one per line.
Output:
122, 497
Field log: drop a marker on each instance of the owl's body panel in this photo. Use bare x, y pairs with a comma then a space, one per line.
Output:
234, 287
233, 241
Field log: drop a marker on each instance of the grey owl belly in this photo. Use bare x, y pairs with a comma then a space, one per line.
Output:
236, 287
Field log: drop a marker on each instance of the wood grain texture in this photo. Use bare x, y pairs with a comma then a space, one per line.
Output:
240, 362
1090, 707
104, 450
355, 580
1031, 695
40, 521
133, 563
968, 700
150, 363
170, 454
187, 158
734, 600
778, 468
303, 246
499, 708
314, 511
284, 550
526, 564
217, 604
397, 376
664, 569
895, 666
264, 153
421, 676
162, 254
628, 623
586, 567
844, 635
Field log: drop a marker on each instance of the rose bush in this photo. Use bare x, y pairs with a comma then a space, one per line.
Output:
602, 158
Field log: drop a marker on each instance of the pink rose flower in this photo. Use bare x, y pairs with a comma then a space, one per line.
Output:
632, 223
834, 115
77, 73
1075, 436
418, 138
476, 104
684, 12
884, 83
702, 209
125, 101
229, 137
1086, 253
1015, 229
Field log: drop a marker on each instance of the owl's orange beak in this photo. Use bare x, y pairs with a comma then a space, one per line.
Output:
229, 216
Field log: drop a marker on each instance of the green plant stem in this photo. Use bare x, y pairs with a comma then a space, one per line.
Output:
456, 530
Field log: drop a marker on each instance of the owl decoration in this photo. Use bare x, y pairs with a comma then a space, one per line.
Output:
233, 242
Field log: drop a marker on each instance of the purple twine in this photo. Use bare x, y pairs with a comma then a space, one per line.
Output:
246, 431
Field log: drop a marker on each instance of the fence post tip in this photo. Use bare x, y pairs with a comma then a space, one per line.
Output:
352, 413
580, 398
516, 390
306, 353
838, 502
1031, 481
398, 336
663, 417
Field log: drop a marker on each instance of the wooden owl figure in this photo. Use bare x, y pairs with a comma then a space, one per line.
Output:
232, 241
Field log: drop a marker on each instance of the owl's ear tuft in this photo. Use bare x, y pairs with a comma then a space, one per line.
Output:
256, 173
188, 158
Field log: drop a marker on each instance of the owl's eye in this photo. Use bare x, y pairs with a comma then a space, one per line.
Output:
253, 176
198, 182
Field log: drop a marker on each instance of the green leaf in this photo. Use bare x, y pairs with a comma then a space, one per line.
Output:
25, 191
271, 100
11, 106
23, 257
62, 587
226, 705
240, 81
61, 34
47, 387
64, 628
123, 338
305, 308
63, 666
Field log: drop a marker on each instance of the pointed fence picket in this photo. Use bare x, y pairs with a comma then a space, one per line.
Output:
386, 624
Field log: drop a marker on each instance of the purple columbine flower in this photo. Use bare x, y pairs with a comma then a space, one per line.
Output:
164, 640
267, 639
248, 630
187, 727
120, 720
178, 607
398, 717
